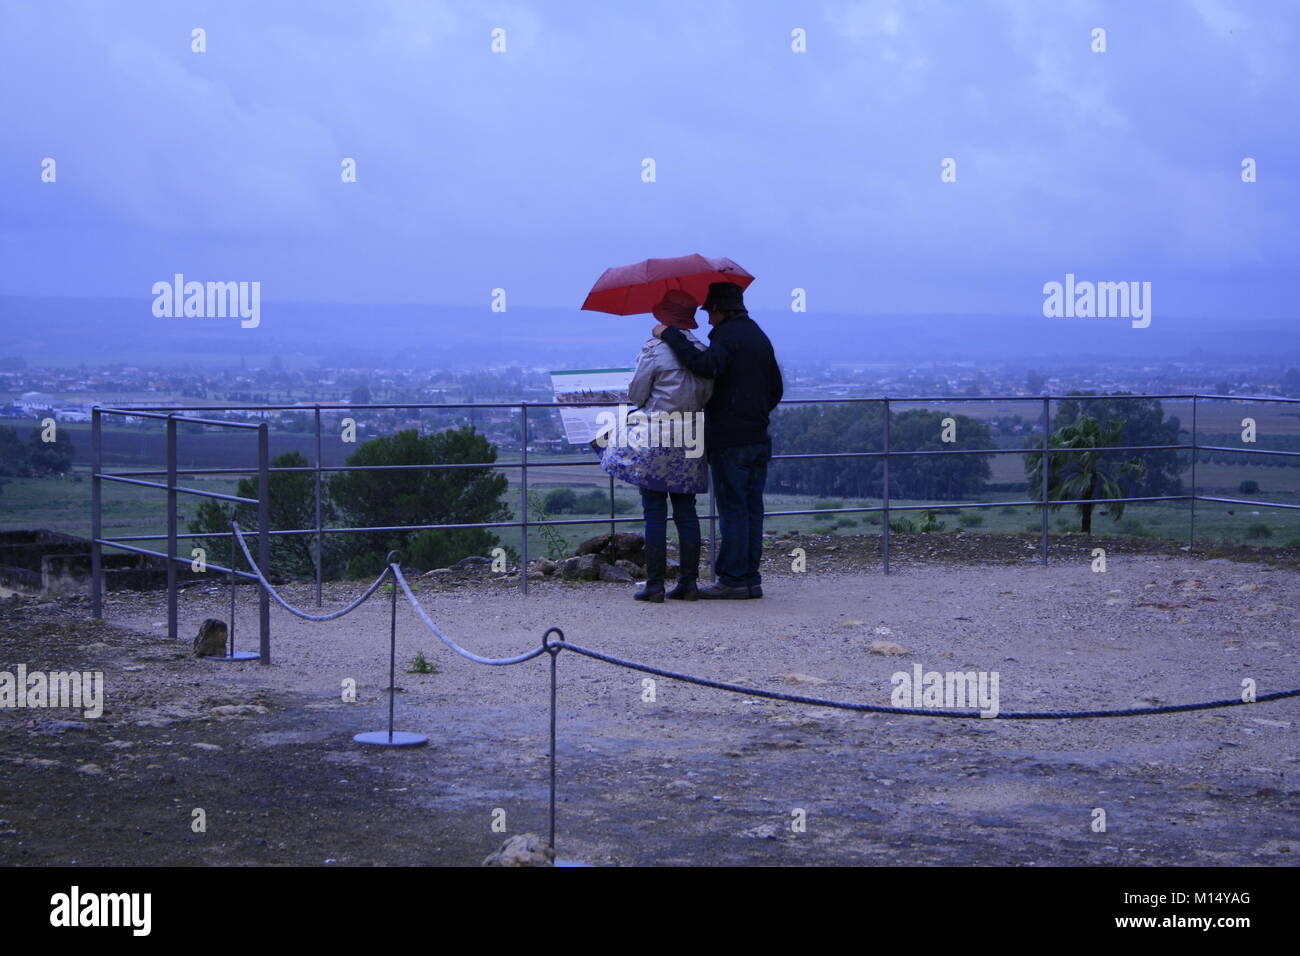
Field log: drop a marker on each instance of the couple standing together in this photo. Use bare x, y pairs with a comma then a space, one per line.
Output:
736, 382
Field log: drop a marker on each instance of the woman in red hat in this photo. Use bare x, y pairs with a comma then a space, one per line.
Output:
662, 450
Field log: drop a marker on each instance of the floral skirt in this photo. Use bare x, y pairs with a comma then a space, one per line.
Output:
656, 468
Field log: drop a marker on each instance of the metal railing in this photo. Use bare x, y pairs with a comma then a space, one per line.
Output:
98, 541
174, 414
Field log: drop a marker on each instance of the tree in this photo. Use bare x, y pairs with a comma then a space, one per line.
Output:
50, 457
1143, 422
1083, 475
399, 497
819, 429
15, 460
213, 517
815, 429
937, 477
291, 504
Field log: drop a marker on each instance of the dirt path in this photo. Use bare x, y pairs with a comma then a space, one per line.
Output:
696, 776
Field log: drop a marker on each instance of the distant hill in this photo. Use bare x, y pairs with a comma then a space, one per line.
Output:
68, 331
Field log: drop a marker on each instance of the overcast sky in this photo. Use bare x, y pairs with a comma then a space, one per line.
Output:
523, 169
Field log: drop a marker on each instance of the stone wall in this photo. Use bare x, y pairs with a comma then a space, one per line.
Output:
40, 562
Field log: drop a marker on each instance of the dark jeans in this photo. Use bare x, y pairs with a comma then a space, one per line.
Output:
655, 506
739, 475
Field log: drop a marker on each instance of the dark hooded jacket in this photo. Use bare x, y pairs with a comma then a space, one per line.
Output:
746, 380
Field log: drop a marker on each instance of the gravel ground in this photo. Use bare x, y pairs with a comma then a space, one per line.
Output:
695, 776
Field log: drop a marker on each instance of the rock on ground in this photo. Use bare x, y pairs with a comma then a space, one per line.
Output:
526, 849
211, 639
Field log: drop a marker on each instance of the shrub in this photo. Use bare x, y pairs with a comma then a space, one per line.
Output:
846, 523
1259, 530
556, 545
596, 502
930, 523
1248, 487
561, 501
421, 665
971, 521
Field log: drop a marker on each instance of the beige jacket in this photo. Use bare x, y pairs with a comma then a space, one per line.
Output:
660, 384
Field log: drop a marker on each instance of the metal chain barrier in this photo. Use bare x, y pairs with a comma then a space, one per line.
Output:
915, 711
553, 649
266, 586
468, 655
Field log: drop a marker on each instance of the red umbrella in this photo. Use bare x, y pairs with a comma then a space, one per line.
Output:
630, 290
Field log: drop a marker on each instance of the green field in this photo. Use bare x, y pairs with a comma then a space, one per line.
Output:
63, 504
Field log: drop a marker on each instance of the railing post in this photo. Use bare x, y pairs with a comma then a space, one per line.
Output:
171, 527
884, 540
554, 654
611, 508
1191, 524
264, 537
523, 504
96, 519
230, 631
391, 737
319, 536
392, 652
1047, 418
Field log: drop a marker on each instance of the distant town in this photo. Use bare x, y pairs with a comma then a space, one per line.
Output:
29, 394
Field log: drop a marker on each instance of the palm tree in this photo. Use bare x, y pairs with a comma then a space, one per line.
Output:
1084, 474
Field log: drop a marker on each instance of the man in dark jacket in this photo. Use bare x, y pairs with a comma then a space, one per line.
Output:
746, 387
